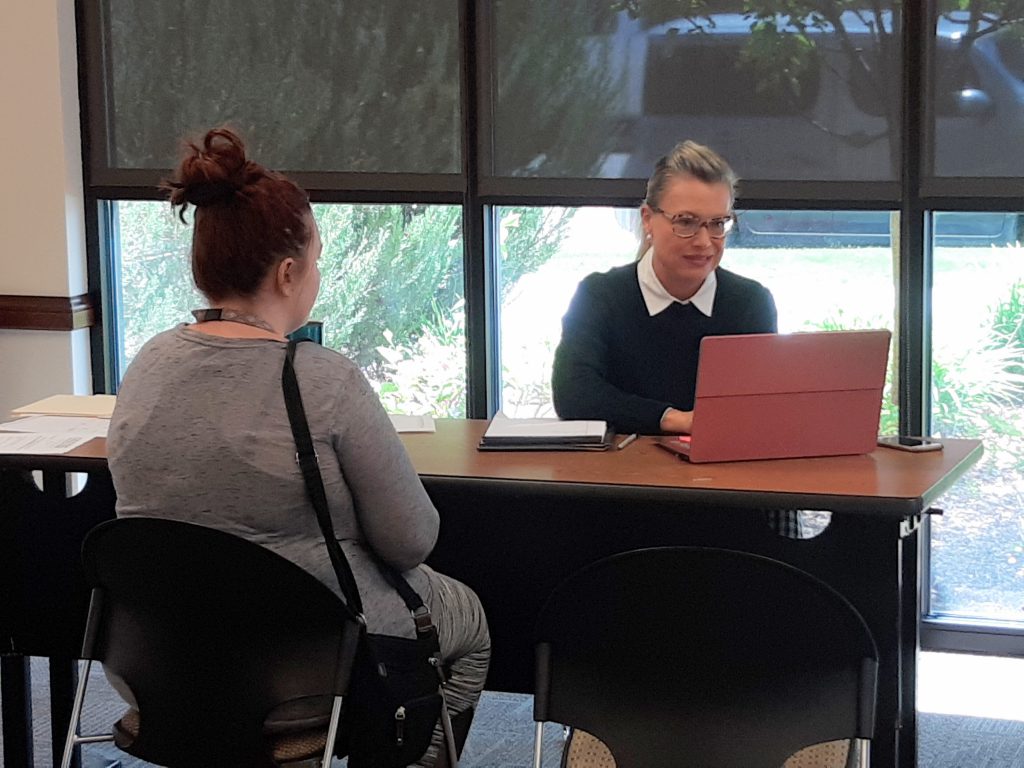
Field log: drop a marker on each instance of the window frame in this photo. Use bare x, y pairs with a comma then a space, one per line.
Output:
915, 195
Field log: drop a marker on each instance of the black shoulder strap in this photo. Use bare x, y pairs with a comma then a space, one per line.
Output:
309, 464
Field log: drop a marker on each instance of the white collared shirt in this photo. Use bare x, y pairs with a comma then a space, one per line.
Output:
658, 299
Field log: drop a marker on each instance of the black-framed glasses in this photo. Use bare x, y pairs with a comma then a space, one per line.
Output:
687, 225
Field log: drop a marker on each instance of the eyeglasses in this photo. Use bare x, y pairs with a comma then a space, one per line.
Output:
687, 225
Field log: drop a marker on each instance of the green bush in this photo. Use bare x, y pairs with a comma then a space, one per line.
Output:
386, 268
399, 269
156, 278
427, 376
343, 85
1008, 333
556, 97
977, 393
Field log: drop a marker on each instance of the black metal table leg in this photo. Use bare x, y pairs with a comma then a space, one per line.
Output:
16, 692
910, 641
63, 681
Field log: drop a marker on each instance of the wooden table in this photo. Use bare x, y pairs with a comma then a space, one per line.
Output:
515, 524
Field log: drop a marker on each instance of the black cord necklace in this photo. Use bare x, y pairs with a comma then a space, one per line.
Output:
231, 316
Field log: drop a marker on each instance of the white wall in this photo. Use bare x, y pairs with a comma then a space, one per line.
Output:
41, 196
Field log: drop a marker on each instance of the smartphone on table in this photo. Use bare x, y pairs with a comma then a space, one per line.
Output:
908, 443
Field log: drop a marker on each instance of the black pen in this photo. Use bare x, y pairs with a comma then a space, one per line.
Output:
626, 441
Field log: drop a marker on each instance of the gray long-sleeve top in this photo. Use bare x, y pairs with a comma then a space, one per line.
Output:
200, 433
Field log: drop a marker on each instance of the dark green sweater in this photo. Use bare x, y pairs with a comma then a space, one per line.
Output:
617, 363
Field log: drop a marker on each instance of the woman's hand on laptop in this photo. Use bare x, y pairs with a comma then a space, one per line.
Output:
677, 421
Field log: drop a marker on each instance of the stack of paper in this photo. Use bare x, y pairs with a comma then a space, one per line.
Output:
505, 434
72, 405
404, 423
39, 444
69, 426
56, 424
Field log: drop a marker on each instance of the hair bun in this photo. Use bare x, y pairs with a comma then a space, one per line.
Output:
209, 192
214, 171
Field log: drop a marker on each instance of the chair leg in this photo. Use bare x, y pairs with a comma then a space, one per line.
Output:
332, 731
863, 752
76, 713
538, 743
449, 738
461, 724
455, 731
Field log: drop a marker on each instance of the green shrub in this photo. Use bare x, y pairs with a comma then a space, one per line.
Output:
978, 392
385, 267
428, 375
155, 270
399, 268
1008, 333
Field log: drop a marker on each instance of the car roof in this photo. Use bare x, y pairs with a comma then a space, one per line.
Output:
950, 26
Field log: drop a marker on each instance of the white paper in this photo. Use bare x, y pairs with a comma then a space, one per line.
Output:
503, 427
21, 442
403, 423
71, 426
72, 405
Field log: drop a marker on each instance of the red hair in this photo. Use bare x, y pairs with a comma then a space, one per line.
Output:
247, 218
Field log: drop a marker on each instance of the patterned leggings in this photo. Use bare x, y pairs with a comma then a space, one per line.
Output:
465, 647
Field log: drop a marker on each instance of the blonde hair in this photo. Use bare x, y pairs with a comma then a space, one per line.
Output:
693, 160
687, 160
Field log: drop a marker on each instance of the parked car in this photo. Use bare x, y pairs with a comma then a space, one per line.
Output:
836, 117
838, 229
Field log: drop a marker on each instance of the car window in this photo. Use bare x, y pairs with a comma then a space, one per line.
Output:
699, 61
817, 229
1010, 45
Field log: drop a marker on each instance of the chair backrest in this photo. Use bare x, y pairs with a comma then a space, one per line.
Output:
683, 655
210, 632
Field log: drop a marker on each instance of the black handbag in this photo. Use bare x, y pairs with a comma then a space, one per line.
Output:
395, 696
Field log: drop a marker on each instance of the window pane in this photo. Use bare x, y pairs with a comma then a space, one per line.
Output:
392, 299
978, 391
151, 258
313, 85
828, 271
978, 95
391, 294
813, 97
825, 274
544, 253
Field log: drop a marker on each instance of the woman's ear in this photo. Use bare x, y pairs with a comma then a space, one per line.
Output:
285, 275
645, 220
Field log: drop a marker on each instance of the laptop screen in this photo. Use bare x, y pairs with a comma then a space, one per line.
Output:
788, 395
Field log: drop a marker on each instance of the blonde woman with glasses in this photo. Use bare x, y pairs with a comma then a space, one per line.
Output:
630, 340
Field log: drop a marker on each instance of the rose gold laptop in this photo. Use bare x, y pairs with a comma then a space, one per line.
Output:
780, 396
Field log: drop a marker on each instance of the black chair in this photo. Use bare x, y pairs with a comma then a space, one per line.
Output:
705, 657
211, 633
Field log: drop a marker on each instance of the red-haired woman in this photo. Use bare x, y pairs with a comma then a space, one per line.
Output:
200, 432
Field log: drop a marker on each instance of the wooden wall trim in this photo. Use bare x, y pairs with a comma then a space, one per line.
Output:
46, 313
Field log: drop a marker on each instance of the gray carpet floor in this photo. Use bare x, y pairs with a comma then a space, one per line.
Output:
502, 735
